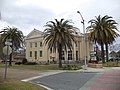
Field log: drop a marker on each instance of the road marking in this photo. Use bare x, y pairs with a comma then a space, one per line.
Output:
44, 74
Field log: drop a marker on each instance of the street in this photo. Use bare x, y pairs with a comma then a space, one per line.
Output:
65, 81
109, 79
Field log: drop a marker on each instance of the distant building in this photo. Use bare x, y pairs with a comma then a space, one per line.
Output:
19, 55
36, 51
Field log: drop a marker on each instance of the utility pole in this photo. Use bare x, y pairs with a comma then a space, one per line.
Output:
85, 65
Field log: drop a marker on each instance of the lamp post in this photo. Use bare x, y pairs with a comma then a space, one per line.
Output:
85, 66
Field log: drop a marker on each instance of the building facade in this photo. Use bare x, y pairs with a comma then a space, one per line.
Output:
37, 51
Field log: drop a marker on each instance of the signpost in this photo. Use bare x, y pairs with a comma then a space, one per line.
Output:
7, 50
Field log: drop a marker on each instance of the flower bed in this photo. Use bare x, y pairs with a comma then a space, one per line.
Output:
94, 65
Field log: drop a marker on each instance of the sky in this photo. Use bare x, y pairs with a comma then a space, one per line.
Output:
29, 14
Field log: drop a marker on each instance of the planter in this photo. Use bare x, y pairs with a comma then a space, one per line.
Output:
93, 65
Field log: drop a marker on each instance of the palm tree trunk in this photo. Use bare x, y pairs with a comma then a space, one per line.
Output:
97, 59
102, 54
60, 56
106, 46
10, 62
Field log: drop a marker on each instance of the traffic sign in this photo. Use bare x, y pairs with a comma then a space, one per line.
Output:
5, 50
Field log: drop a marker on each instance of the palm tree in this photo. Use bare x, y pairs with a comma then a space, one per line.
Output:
1, 47
15, 35
103, 31
110, 31
59, 35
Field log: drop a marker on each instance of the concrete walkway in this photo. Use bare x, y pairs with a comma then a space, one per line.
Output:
104, 69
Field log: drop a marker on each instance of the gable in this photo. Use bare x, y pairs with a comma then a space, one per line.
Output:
33, 34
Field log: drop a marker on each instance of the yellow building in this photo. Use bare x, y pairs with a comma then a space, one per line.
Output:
36, 51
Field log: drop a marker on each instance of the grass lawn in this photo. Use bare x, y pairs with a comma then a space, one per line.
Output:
11, 84
34, 67
41, 67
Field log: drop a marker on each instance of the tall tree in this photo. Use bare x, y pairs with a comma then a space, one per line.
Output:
110, 31
1, 49
103, 31
16, 37
59, 35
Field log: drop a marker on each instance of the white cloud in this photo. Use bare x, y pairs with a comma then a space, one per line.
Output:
29, 14
57, 6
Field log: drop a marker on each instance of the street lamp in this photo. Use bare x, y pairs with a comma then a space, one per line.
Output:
85, 66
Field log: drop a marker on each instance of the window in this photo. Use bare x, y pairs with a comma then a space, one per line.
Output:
76, 44
30, 45
50, 50
69, 55
63, 56
30, 53
40, 53
35, 54
40, 44
35, 44
76, 55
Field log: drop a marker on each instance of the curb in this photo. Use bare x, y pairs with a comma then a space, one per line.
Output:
44, 74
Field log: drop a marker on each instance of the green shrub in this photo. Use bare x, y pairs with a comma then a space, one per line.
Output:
112, 64
31, 63
24, 61
71, 67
